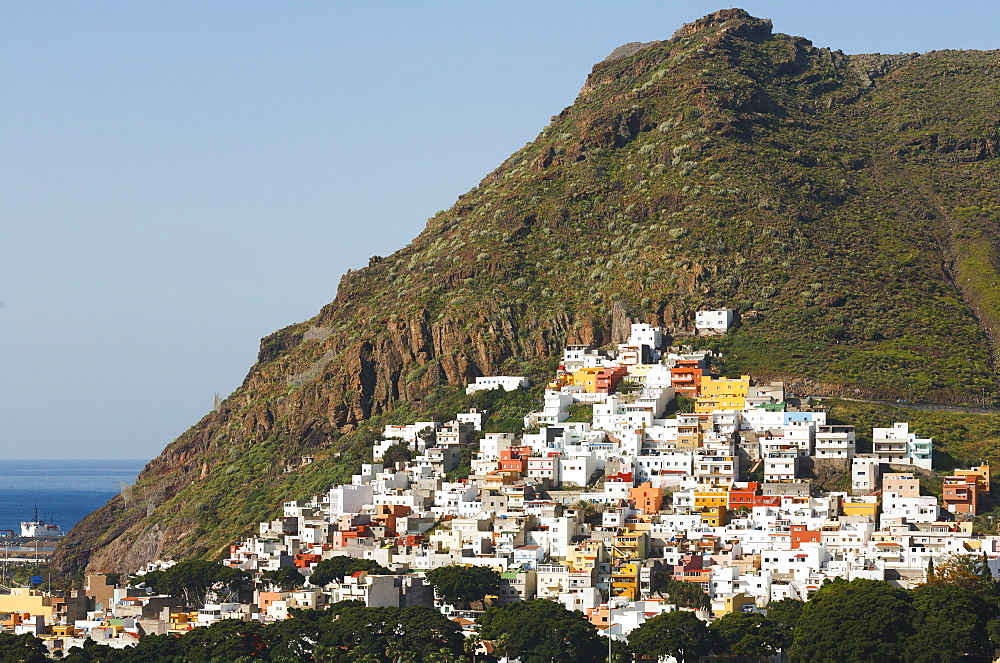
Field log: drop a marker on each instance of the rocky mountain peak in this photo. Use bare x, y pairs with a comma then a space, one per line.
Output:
735, 22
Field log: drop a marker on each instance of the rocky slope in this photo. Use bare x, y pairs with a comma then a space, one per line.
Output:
846, 205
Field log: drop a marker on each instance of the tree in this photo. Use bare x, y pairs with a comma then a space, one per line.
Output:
336, 568
393, 634
151, 580
857, 620
194, 579
153, 648
591, 513
295, 638
226, 640
950, 621
621, 652
968, 571
679, 634
286, 578
22, 649
682, 594
91, 652
461, 585
428, 435
542, 631
748, 634
784, 614
301, 636
396, 453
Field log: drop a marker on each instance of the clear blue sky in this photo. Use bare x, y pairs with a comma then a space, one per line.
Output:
179, 179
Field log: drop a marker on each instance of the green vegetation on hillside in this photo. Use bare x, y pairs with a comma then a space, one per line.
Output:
844, 205
960, 440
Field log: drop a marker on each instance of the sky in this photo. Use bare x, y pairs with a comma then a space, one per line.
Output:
179, 179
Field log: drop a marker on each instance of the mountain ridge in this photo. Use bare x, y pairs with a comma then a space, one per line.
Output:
845, 205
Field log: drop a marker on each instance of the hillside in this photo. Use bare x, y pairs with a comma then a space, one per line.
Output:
847, 206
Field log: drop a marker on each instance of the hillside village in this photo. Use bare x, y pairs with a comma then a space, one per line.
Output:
598, 514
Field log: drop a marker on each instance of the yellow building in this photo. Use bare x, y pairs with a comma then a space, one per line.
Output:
560, 381
732, 603
864, 505
497, 480
983, 480
586, 555
182, 622
625, 581
714, 516
31, 601
640, 370
690, 431
587, 378
710, 498
722, 394
630, 545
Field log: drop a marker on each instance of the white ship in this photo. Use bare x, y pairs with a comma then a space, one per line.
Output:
39, 528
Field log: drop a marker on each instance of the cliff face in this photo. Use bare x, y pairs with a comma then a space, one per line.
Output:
846, 205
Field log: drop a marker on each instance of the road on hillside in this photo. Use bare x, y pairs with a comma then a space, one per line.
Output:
928, 407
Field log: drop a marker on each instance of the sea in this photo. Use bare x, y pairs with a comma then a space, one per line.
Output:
64, 491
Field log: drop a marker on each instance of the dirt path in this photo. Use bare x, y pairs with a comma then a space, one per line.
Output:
927, 407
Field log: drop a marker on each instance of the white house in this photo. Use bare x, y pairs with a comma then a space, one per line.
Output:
899, 445
835, 442
578, 469
505, 382
781, 466
714, 322
555, 409
349, 499
921, 509
865, 472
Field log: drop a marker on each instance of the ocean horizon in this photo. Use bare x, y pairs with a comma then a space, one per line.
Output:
64, 491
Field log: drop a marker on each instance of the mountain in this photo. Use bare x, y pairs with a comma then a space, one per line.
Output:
846, 205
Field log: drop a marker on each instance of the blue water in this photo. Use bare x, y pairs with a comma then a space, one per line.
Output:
65, 490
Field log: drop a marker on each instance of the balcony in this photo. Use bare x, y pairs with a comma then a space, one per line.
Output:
890, 448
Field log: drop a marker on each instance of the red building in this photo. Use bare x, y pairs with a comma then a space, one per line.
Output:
744, 497
607, 380
305, 560
802, 535
514, 460
692, 569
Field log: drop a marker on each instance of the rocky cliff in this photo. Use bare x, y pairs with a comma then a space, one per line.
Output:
845, 205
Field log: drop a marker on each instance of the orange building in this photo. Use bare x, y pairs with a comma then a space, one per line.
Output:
686, 377
960, 494
386, 514
647, 499
342, 536
305, 560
